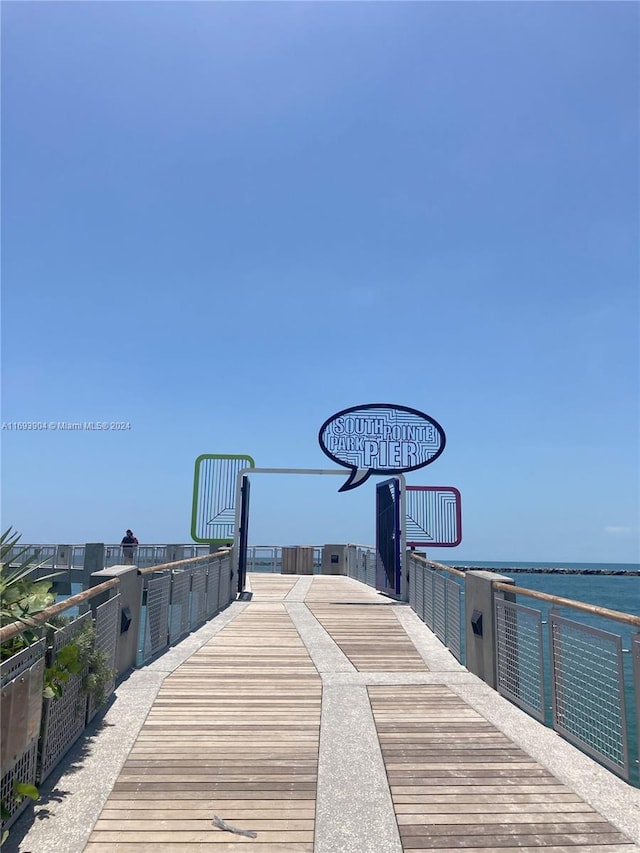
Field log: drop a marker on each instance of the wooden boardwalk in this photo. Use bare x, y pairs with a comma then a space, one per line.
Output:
457, 782
234, 734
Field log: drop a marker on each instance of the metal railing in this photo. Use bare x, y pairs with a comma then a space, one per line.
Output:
581, 679
268, 558
577, 676
145, 556
179, 597
436, 594
361, 563
69, 559
72, 557
45, 554
37, 731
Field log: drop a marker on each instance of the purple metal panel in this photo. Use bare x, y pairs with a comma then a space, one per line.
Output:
434, 516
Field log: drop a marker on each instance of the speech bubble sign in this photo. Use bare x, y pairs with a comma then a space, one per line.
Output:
380, 438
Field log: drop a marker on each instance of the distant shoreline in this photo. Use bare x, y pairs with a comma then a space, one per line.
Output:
549, 570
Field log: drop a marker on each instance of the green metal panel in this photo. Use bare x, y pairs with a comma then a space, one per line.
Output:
214, 496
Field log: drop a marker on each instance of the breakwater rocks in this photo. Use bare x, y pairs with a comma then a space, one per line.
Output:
503, 570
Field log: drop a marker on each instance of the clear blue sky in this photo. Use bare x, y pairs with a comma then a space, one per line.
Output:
224, 222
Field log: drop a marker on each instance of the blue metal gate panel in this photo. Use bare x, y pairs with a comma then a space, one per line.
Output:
388, 536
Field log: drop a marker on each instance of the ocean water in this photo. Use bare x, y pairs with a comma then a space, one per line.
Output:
592, 583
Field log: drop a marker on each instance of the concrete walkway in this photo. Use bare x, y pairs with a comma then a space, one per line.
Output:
320, 716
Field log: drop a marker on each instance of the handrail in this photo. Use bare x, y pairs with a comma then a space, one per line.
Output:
437, 565
274, 547
594, 609
14, 628
162, 567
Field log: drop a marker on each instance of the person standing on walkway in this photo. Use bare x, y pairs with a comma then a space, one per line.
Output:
128, 543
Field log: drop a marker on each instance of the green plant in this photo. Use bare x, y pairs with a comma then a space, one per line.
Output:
21, 596
98, 676
80, 655
65, 664
20, 791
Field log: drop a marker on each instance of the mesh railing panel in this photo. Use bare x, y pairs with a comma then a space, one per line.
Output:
262, 558
107, 625
437, 600
588, 691
353, 566
362, 567
198, 612
420, 579
21, 677
370, 570
179, 608
366, 557
144, 556
454, 621
439, 608
225, 581
413, 571
358, 566
38, 554
20, 662
213, 588
24, 770
428, 598
77, 556
64, 716
520, 672
156, 636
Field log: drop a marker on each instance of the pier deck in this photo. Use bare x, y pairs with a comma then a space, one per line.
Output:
321, 716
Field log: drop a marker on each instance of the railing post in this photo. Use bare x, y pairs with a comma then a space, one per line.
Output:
130, 609
93, 562
481, 651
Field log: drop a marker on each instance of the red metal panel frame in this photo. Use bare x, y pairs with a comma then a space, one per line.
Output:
458, 505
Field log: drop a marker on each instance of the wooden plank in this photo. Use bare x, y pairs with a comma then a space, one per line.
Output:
142, 846
541, 844
174, 824
229, 812
471, 788
537, 847
372, 638
209, 836
501, 808
234, 732
477, 821
159, 794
